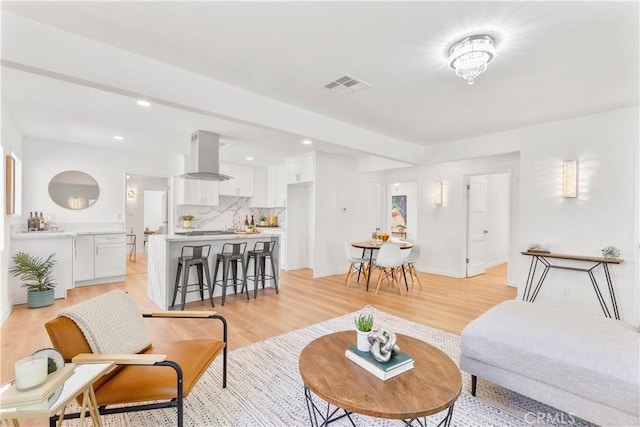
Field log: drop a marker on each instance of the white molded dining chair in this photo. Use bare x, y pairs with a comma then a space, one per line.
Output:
356, 264
390, 262
410, 262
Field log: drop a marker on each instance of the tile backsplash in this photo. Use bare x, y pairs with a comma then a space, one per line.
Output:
230, 211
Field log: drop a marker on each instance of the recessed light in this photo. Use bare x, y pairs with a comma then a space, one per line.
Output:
249, 158
143, 103
306, 142
118, 138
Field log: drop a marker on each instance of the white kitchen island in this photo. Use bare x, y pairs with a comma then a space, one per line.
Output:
163, 251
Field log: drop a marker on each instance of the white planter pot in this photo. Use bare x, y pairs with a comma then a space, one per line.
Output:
186, 224
363, 341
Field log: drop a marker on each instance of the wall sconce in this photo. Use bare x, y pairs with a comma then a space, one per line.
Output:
570, 178
131, 194
437, 193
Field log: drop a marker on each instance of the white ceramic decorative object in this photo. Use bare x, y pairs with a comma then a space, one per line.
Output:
363, 341
30, 372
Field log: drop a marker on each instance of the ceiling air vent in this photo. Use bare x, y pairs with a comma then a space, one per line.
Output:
346, 84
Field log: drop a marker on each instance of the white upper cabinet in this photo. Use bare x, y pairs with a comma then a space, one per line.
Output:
196, 192
242, 183
300, 169
277, 186
259, 199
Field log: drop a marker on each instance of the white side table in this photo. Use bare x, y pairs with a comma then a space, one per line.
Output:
79, 383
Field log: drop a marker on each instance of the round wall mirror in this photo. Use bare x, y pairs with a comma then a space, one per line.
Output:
74, 190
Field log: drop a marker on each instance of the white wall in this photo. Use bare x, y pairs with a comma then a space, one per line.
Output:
605, 213
11, 142
135, 207
298, 226
43, 159
442, 229
329, 172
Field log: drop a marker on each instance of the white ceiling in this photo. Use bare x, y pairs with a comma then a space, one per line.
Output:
554, 60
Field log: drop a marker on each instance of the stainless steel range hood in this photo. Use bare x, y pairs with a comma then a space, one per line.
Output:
205, 157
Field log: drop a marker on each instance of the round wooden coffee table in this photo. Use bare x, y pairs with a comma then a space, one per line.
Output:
432, 386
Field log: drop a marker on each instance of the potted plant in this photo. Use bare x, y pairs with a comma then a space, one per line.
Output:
186, 220
37, 276
364, 324
263, 221
611, 252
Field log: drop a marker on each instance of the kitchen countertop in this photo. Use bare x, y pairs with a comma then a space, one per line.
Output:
58, 234
180, 238
81, 233
43, 235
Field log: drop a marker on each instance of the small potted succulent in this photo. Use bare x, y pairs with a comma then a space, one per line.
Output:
364, 324
187, 221
263, 221
611, 252
37, 276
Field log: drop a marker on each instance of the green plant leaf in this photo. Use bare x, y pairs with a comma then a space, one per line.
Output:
35, 272
364, 322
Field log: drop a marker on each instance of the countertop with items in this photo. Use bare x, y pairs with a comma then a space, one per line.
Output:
58, 234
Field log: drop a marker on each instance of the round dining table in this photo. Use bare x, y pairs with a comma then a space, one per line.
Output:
374, 245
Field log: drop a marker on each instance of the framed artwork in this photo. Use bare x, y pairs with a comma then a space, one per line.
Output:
10, 185
399, 214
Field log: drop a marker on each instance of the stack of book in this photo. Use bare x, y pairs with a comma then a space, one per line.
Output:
399, 363
37, 398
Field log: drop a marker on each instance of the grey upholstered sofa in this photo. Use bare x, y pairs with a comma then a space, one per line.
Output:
584, 364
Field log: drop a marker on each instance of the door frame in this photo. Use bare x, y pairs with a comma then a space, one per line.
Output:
465, 216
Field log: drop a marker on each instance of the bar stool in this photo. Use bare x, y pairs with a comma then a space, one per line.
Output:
261, 251
231, 254
193, 256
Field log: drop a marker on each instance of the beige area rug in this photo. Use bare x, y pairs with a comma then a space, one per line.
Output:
264, 388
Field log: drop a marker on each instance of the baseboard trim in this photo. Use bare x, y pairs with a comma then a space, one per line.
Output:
496, 263
6, 313
442, 273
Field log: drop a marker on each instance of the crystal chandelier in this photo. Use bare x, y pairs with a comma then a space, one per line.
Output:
470, 56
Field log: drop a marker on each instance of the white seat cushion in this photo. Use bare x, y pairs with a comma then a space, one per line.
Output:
585, 354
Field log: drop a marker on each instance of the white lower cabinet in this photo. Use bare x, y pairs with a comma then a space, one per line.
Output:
283, 251
103, 257
281, 246
83, 258
62, 271
110, 259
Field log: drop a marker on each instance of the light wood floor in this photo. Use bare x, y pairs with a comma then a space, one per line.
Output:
445, 303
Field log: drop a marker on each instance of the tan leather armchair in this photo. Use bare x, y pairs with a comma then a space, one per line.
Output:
168, 376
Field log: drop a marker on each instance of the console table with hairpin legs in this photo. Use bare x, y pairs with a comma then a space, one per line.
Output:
530, 293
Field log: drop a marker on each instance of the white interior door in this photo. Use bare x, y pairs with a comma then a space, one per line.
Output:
476, 220
153, 209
